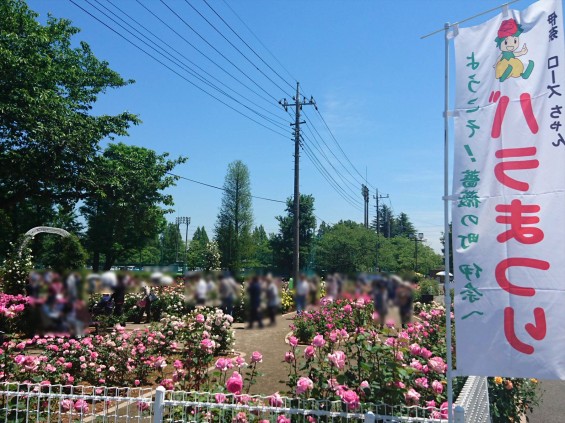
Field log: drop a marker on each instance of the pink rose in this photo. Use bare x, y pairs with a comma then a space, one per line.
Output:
289, 357
364, 385
415, 349
200, 318
437, 386
168, 384
399, 384
318, 341
337, 359
177, 364
399, 355
293, 341
430, 404
415, 364
223, 364
136, 382
304, 384
412, 397
425, 353
239, 361
66, 404
437, 364
142, 405
283, 419
81, 406
350, 398
309, 351
275, 400
207, 345
421, 382
347, 308
220, 398
235, 383
256, 357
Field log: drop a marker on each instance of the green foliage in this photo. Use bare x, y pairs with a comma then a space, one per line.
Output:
235, 218
124, 213
399, 253
512, 398
346, 247
262, 252
48, 137
171, 239
197, 249
283, 242
63, 254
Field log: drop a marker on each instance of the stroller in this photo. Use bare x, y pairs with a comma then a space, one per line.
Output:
104, 307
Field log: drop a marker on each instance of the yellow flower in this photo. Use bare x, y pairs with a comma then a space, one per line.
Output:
533, 380
498, 380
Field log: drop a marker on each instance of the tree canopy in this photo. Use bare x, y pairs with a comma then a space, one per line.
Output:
125, 212
235, 218
48, 136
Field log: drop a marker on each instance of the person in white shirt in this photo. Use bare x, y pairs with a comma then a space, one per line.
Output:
201, 291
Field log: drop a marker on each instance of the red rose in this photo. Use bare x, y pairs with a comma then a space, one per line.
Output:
507, 28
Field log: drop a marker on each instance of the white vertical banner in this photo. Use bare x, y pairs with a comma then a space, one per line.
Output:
509, 195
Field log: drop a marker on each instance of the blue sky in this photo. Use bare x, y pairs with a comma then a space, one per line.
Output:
378, 86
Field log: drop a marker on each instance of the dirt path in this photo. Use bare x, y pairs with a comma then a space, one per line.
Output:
270, 342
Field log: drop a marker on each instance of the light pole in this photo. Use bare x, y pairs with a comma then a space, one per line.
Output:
418, 238
183, 221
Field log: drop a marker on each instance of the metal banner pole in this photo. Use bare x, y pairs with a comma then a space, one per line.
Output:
447, 233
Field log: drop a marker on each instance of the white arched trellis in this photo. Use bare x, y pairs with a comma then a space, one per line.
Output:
41, 230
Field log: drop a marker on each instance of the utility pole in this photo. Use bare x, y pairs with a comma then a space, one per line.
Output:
377, 198
365, 193
298, 106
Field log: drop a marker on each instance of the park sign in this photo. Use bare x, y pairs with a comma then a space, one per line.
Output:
508, 203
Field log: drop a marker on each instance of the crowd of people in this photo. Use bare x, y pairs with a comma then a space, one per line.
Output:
62, 309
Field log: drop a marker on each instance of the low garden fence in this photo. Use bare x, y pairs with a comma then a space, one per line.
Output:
86, 404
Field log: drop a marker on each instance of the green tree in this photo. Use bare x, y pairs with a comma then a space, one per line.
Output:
346, 247
399, 254
48, 136
235, 219
403, 226
125, 212
170, 240
64, 254
262, 251
283, 242
197, 249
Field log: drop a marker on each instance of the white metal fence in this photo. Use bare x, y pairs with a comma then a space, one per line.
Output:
87, 404
474, 399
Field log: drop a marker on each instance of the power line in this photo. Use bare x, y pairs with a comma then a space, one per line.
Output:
217, 51
268, 100
234, 46
350, 185
316, 145
221, 188
182, 55
177, 73
328, 177
248, 46
339, 146
187, 69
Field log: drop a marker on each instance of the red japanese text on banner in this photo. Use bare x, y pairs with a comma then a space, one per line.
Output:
509, 195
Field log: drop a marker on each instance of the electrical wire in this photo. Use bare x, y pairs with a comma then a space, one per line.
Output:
217, 51
221, 188
259, 40
177, 73
187, 69
234, 46
238, 80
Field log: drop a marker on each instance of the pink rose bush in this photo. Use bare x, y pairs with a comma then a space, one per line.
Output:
372, 364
